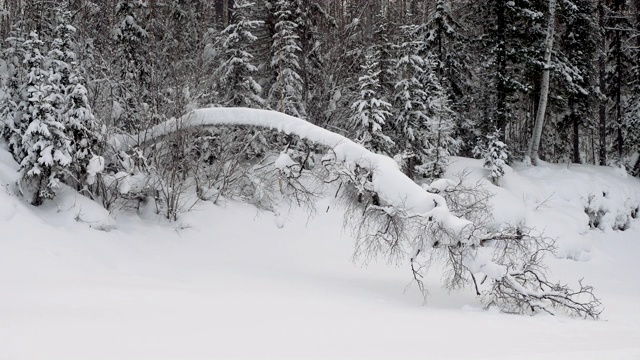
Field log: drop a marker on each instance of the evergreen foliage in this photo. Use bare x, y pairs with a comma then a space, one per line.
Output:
495, 155
236, 69
371, 111
46, 149
286, 93
131, 91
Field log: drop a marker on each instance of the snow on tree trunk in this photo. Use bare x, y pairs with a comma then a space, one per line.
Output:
532, 152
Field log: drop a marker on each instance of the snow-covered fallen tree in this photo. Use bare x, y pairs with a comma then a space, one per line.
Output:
388, 181
398, 218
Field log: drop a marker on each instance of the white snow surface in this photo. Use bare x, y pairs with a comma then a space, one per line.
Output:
229, 282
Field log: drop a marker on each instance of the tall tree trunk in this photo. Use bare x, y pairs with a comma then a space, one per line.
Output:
501, 106
602, 109
532, 152
575, 120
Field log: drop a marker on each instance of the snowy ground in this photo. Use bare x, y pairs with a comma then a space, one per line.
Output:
226, 282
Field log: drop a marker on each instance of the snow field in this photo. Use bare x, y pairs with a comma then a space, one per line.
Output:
228, 282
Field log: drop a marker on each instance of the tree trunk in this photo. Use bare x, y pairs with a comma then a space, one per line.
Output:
501, 106
576, 138
602, 110
532, 152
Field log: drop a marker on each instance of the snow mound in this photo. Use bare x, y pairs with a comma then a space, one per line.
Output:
564, 202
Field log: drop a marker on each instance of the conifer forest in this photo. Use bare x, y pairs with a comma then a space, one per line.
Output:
416, 80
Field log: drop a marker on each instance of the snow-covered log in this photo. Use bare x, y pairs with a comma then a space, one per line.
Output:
391, 185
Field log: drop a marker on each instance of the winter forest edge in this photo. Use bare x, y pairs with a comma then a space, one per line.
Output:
275, 101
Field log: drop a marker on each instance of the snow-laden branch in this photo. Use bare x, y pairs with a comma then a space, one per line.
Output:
391, 185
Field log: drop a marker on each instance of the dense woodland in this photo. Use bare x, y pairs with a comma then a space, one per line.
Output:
416, 80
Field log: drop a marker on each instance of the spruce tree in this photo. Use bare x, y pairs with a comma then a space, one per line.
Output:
237, 68
132, 62
618, 70
410, 102
371, 111
10, 123
576, 77
77, 116
46, 147
495, 155
444, 41
286, 93
422, 119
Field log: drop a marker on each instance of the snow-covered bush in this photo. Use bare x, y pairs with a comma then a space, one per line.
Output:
607, 212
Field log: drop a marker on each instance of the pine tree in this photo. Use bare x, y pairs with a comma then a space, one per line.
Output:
46, 148
410, 102
618, 70
77, 116
286, 93
576, 77
422, 119
371, 111
132, 60
444, 41
495, 156
10, 125
509, 53
236, 84
309, 16
439, 143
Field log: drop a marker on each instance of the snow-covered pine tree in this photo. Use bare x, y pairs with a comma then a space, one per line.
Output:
618, 29
371, 110
46, 148
410, 102
576, 78
11, 86
132, 61
77, 117
509, 49
495, 155
384, 42
439, 143
285, 94
445, 42
309, 15
422, 119
236, 84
